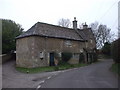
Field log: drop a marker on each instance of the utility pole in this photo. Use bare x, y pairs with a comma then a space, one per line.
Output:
119, 19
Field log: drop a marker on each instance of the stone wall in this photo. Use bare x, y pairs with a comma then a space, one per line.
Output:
24, 52
28, 50
91, 40
49, 45
7, 57
73, 61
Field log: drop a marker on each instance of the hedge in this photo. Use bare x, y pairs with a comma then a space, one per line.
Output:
115, 51
66, 56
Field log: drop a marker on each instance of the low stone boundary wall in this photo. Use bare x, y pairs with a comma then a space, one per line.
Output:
7, 57
73, 61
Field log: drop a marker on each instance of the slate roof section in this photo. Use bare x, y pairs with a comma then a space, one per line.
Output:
48, 30
82, 34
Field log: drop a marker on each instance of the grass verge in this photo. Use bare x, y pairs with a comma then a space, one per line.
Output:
49, 68
116, 68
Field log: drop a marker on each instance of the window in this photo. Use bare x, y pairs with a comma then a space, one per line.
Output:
68, 43
91, 41
81, 50
76, 56
41, 55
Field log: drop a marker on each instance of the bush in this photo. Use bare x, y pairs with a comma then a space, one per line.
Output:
10, 30
95, 57
56, 68
116, 68
66, 56
81, 58
115, 48
61, 62
106, 50
56, 55
92, 57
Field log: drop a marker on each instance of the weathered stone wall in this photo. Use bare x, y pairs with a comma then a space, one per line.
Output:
48, 45
73, 61
28, 50
24, 52
91, 40
7, 57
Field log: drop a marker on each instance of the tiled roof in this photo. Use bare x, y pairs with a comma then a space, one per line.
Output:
48, 30
82, 34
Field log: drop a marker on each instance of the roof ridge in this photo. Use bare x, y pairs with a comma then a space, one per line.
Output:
55, 25
49, 30
62, 27
36, 26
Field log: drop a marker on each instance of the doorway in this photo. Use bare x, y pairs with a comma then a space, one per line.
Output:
52, 59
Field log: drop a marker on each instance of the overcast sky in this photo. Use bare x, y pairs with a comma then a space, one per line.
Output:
29, 12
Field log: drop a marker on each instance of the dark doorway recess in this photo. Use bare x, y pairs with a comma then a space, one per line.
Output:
52, 59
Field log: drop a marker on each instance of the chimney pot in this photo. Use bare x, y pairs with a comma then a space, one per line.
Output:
75, 23
85, 26
74, 18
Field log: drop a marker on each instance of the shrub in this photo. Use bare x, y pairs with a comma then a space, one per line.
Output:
56, 68
116, 68
95, 57
115, 48
81, 58
57, 56
66, 56
92, 57
61, 62
106, 50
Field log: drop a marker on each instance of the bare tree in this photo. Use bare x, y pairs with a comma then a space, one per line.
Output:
64, 22
81, 25
102, 34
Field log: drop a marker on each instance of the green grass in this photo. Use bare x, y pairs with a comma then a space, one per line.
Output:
49, 68
116, 68
35, 70
68, 66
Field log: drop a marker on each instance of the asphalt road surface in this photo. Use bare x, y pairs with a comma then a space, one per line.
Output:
11, 78
96, 75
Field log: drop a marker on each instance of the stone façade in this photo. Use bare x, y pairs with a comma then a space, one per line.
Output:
45, 38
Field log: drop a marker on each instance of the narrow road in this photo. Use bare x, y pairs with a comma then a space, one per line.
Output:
11, 78
96, 75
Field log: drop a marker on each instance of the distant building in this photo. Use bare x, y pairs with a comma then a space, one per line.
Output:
36, 47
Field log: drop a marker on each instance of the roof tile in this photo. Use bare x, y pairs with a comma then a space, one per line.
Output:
48, 30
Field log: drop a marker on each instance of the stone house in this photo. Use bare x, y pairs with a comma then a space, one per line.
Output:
36, 47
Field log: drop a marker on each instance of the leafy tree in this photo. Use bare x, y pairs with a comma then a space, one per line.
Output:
106, 49
115, 50
9, 31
